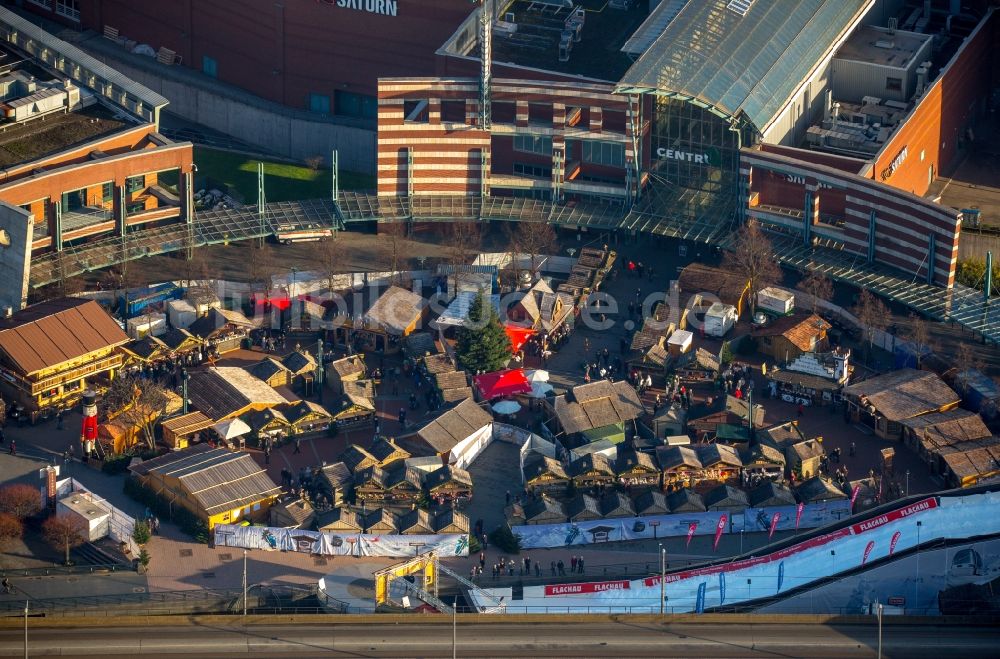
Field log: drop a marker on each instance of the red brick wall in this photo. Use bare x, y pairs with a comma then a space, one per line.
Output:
946, 109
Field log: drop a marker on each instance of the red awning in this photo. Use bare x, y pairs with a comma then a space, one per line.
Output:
518, 336
502, 383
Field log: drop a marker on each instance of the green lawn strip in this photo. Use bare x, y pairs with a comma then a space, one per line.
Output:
282, 181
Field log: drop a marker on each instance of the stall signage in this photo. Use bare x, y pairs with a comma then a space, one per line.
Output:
894, 165
383, 7
582, 588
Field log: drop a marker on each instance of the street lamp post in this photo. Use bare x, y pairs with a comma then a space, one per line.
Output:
454, 631
907, 482
916, 582
663, 577
25, 629
878, 613
244, 583
833, 557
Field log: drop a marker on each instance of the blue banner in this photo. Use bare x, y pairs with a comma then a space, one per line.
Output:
699, 606
722, 588
781, 574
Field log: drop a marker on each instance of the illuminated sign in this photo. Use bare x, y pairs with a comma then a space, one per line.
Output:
383, 7
894, 165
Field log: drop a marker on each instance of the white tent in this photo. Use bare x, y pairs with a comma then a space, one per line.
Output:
537, 375
231, 428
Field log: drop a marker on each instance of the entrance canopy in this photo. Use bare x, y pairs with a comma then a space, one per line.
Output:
502, 383
742, 58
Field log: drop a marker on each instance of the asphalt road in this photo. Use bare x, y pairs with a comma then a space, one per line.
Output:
600, 638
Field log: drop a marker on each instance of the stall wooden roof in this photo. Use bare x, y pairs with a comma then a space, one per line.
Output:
396, 309
800, 329
223, 391
904, 394
51, 333
943, 429
596, 405
455, 425
187, 423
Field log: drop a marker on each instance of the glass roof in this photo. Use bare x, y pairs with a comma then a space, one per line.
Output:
743, 64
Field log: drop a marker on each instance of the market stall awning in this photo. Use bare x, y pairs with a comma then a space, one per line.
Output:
518, 336
502, 383
231, 428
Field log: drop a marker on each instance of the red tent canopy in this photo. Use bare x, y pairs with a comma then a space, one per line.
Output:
502, 383
518, 336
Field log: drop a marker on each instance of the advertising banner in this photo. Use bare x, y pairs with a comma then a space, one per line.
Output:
893, 541
333, 544
854, 493
580, 588
751, 520
798, 514
774, 525
699, 606
882, 520
691, 529
719, 528
868, 551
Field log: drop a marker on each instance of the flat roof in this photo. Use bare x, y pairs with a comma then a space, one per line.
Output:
743, 64
875, 45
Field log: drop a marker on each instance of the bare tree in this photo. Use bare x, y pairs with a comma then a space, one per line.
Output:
196, 267
819, 287
260, 267
753, 258
463, 242
329, 256
137, 404
965, 360
20, 500
64, 531
535, 239
872, 313
390, 248
919, 335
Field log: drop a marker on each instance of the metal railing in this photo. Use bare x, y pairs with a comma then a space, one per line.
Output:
64, 569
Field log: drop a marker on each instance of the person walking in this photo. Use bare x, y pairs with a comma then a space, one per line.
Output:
572, 564
298, 446
562, 567
579, 564
13, 447
853, 450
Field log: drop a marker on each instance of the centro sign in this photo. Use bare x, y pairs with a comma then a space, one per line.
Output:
383, 7
710, 157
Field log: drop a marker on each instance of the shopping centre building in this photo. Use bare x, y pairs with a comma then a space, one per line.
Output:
829, 121
81, 158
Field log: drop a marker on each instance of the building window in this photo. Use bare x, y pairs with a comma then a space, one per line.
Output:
533, 144
135, 183
107, 192
604, 153
69, 9
356, 105
534, 171
894, 84
319, 103
136, 207
209, 66
44, 4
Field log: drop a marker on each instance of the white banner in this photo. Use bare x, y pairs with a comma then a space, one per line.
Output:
335, 544
541, 536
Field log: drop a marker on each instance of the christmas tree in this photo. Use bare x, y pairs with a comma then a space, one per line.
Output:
483, 345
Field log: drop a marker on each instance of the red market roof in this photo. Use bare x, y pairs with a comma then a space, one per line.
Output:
502, 383
518, 336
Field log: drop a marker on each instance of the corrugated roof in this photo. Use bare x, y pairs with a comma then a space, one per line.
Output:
51, 333
217, 479
71, 52
750, 64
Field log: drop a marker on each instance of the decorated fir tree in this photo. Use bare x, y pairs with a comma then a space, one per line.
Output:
483, 345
